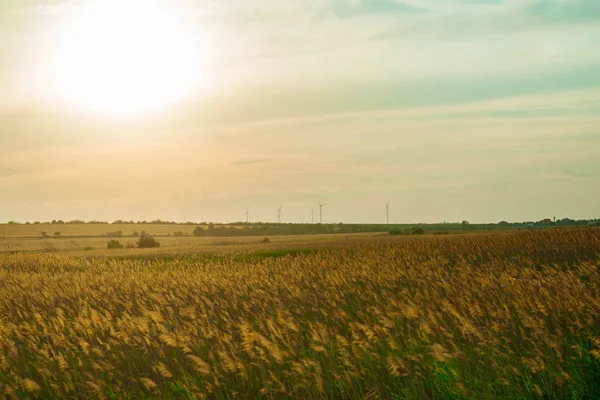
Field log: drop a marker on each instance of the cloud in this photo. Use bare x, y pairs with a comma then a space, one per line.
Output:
580, 174
450, 19
38, 6
470, 102
430, 167
7, 171
253, 161
347, 9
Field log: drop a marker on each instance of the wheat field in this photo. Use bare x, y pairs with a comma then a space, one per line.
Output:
465, 317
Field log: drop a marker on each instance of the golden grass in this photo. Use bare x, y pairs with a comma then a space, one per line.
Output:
497, 316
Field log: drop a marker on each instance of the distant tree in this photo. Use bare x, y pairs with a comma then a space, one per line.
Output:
136, 233
199, 231
147, 241
465, 224
418, 231
396, 231
57, 234
114, 244
44, 234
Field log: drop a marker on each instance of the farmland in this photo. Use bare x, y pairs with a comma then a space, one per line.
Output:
500, 315
89, 230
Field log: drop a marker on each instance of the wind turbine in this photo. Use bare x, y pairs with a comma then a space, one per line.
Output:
387, 212
279, 215
321, 211
247, 214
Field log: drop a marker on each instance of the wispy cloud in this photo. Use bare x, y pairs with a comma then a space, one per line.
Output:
253, 161
580, 174
348, 8
459, 19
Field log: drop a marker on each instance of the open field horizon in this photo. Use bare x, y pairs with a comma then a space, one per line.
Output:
89, 229
98, 243
77, 237
185, 229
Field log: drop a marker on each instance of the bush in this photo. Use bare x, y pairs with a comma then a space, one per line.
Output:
88, 248
114, 244
130, 245
57, 234
266, 240
396, 231
418, 231
199, 231
146, 241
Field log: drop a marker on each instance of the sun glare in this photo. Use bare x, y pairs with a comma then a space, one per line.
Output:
126, 57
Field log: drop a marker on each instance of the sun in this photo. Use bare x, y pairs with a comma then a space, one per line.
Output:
127, 57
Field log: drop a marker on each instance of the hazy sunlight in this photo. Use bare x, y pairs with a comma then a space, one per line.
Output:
127, 57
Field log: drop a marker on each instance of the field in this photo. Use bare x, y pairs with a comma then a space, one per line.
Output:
97, 244
508, 316
9, 231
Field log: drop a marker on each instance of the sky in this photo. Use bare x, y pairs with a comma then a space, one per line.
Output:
478, 110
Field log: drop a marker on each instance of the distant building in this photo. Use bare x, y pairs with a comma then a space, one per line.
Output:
546, 221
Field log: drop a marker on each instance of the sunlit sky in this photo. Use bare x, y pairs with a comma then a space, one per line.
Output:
483, 110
